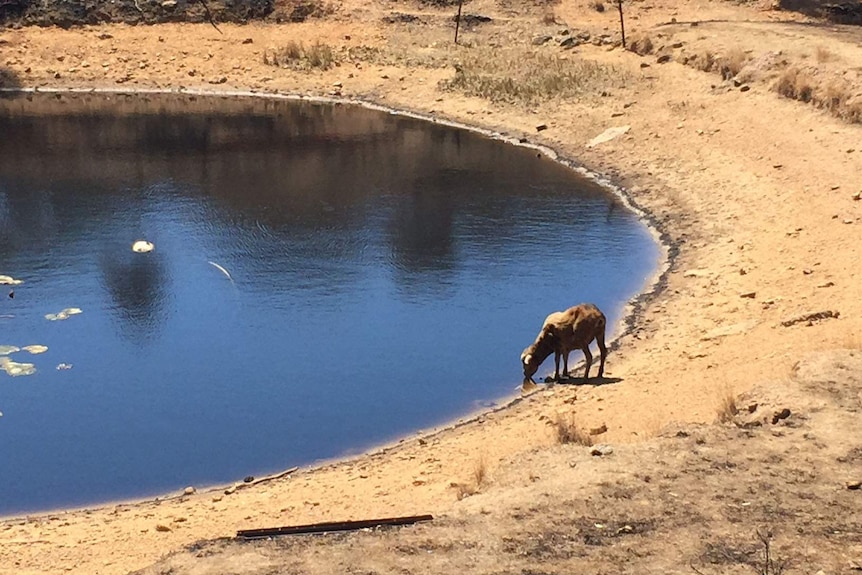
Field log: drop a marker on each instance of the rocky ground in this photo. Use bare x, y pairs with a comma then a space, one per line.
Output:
738, 135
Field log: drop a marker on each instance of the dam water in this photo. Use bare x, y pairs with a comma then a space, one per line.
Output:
324, 278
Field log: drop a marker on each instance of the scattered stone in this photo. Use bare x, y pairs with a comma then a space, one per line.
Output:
727, 330
180, 520
826, 285
748, 294
541, 127
854, 485
644, 65
857, 196
810, 318
217, 498
752, 408
664, 58
608, 135
248, 41
162, 528
808, 271
542, 39
219, 80
104, 36
695, 273
248, 479
600, 450
779, 415
569, 43
189, 490
744, 88
599, 430
230, 490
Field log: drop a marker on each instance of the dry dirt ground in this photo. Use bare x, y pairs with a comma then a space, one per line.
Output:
756, 197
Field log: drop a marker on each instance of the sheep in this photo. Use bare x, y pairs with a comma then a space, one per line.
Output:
562, 332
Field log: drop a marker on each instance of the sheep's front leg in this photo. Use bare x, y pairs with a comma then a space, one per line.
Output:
557, 366
566, 364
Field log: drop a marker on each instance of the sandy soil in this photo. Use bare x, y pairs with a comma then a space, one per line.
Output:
755, 197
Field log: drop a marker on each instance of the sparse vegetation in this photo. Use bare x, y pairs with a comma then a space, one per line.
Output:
298, 57
824, 55
567, 431
528, 77
727, 408
795, 84
478, 480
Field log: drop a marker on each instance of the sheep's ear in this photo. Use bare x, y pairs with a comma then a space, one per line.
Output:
527, 359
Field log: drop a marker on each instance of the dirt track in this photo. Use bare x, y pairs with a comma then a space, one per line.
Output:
756, 191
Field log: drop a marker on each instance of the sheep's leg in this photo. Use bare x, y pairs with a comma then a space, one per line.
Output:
557, 366
566, 364
588, 359
600, 339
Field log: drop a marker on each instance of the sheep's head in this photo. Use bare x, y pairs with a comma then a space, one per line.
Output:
533, 356
528, 361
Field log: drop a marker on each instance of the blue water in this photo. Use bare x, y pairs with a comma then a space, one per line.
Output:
385, 275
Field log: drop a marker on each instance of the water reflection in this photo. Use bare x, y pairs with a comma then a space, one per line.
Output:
385, 275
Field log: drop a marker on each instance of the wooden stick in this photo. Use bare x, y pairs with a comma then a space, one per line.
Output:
458, 20
327, 527
622, 24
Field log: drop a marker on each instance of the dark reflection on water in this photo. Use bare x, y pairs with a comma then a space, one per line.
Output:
324, 278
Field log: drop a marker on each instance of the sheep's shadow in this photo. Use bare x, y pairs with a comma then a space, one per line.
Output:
586, 381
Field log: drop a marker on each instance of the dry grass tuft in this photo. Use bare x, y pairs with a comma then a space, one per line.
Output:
478, 480
298, 57
704, 61
733, 62
567, 431
824, 55
520, 77
727, 408
795, 84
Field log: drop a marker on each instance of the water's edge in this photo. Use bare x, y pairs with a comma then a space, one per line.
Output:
632, 310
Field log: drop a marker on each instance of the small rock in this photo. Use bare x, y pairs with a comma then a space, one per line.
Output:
217, 498
541, 127
854, 485
248, 479
779, 415
189, 490
857, 196
570, 42
599, 430
808, 271
542, 39
752, 408
230, 490
248, 41
219, 80
748, 294
664, 58
162, 528
600, 450
744, 88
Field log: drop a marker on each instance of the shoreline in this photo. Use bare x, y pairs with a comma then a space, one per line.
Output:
630, 309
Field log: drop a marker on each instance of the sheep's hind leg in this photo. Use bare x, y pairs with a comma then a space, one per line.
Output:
588, 359
556, 366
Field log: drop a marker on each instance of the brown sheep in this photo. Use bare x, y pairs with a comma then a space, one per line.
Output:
562, 332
